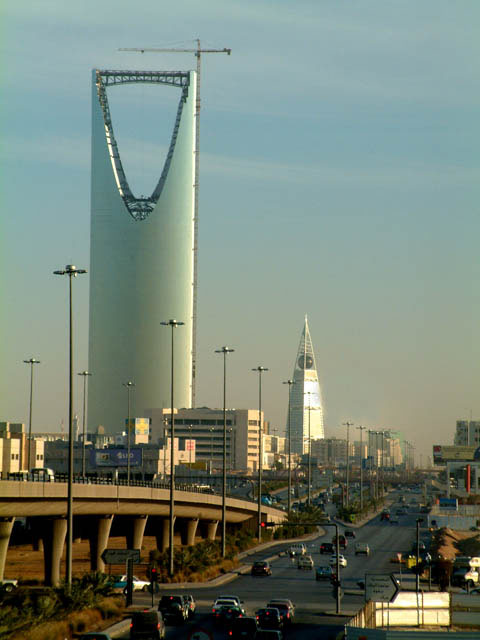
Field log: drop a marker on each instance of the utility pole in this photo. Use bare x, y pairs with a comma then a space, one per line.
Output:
348, 425
198, 54
361, 466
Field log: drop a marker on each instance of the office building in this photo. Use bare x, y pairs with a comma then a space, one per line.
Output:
467, 433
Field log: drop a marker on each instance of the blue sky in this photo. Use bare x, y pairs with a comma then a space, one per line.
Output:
339, 178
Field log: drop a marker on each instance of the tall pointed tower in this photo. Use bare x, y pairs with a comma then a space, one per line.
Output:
306, 399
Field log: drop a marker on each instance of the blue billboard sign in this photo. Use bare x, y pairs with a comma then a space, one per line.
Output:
115, 457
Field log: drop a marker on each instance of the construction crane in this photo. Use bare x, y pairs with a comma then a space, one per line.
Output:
198, 54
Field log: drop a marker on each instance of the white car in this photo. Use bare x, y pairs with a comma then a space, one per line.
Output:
138, 585
305, 562
342, 561
226, 602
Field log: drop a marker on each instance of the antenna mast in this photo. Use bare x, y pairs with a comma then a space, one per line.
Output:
198, 53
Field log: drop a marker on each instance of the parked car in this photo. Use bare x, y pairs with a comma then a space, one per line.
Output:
147, 625
305, 562
173, 607
261, 568
327, 547
323, 573
362, 548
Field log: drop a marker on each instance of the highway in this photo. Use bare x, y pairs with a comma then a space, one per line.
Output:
315, 605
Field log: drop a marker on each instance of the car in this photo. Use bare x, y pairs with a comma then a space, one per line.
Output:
147, 624
227, 613
305, 562
241, 628
261, 568
385, 515
7, 585
323, 573
191, 604
138, 585
286, 608
227, 602
42, 474
298, 549
173, 607
349, 533
327, 547
342, 541
269, 618
362, 548
228, 596
269, 634
342, 561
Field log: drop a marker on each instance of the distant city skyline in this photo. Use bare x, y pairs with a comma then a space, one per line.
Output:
339, 178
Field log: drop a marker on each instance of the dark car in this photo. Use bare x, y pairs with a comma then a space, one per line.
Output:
147, 625
173, 607
323, 573
226, 614
245, 627
286, 608
269, 618
342, 541
349, 533
261, 568
327, 547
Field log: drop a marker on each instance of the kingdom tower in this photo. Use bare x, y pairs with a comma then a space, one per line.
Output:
141, 262
306, 399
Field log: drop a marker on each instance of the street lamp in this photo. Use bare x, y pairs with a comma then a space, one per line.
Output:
348, 425
31, 362
309, 452
361, 466
85, 374
173, 324
289, 439
260, 370
129, 385
71, 271
224, 350
417, 577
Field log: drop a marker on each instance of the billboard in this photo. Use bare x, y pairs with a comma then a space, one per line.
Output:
115, 457
442, 453
138, 426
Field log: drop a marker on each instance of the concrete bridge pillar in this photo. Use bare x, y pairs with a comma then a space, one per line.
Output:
6, 526
188, 531
212, 529
135, 532
53, 532
162, 534
99, 534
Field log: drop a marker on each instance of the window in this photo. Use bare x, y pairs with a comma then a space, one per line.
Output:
253, 423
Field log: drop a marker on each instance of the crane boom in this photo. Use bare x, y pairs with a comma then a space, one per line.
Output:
197, 52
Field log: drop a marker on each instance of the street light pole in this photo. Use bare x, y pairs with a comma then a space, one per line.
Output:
71, 271
224, 350
309, 452
289, 440
85, 374
31, 362
129, 385
348, 425
260, 370
417, 577
361, 466
173, 324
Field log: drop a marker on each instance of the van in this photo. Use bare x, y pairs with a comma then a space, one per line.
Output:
43, 474
147, 624
297, 549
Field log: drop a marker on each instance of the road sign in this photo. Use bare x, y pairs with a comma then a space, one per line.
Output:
120, 556
380, 587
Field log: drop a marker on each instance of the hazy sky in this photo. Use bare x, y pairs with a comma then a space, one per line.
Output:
339, 178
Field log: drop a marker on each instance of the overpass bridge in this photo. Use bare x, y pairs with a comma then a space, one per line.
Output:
102, 509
